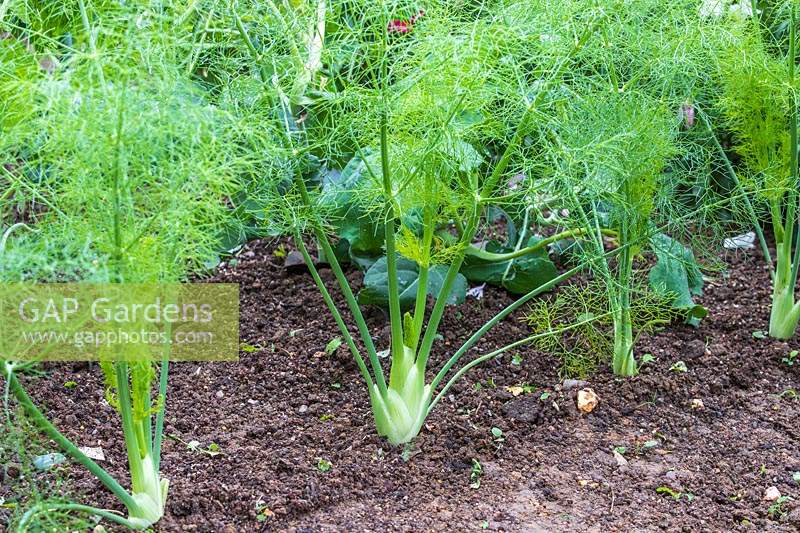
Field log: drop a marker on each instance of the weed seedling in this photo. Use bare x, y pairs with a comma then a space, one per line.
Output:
475, 474
679, 366
646, 359
776, 510
333, 345
497, 435
281, 251
323, 465
674, 494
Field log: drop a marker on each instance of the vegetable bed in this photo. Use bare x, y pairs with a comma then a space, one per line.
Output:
367, 265
298, 450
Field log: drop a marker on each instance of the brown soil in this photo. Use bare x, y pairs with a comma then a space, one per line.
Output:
285, 407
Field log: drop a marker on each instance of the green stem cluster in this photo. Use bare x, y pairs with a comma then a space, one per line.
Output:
401, 406
132, 383
783, 210
785, 312
145, 502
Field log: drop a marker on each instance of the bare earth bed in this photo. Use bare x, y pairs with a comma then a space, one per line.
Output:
286, 409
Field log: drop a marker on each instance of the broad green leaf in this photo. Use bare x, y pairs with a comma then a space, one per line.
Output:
526, 272
376, 284
458, 291
340, 195
678, 274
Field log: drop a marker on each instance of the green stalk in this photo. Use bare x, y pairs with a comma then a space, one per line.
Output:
344, 285
45, 507
785, 312
422, 283
523, 234
262, 71
118, 171
444, 292
129, 429
791, 220
337, 316
751, 212
194, 55
623, 361
390, 225
146, 428
482, 254
65, 444
162, 394
791, 207
92, 41
163, 379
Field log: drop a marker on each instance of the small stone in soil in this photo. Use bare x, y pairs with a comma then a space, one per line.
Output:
570, 384
772, 494
95, 453
587, 400
294, 261
619, 458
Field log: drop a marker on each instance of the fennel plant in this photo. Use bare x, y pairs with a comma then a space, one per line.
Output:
610, 157
412, 107
758, 105
132, 166
624, 164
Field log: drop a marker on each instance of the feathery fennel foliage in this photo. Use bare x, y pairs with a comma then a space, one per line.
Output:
131, 166
439, 118
758, 105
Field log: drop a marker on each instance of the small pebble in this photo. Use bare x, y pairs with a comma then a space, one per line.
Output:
772, 494
574, 384
619, 458
587, 400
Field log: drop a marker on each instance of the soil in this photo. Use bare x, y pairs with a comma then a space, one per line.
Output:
701, 446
